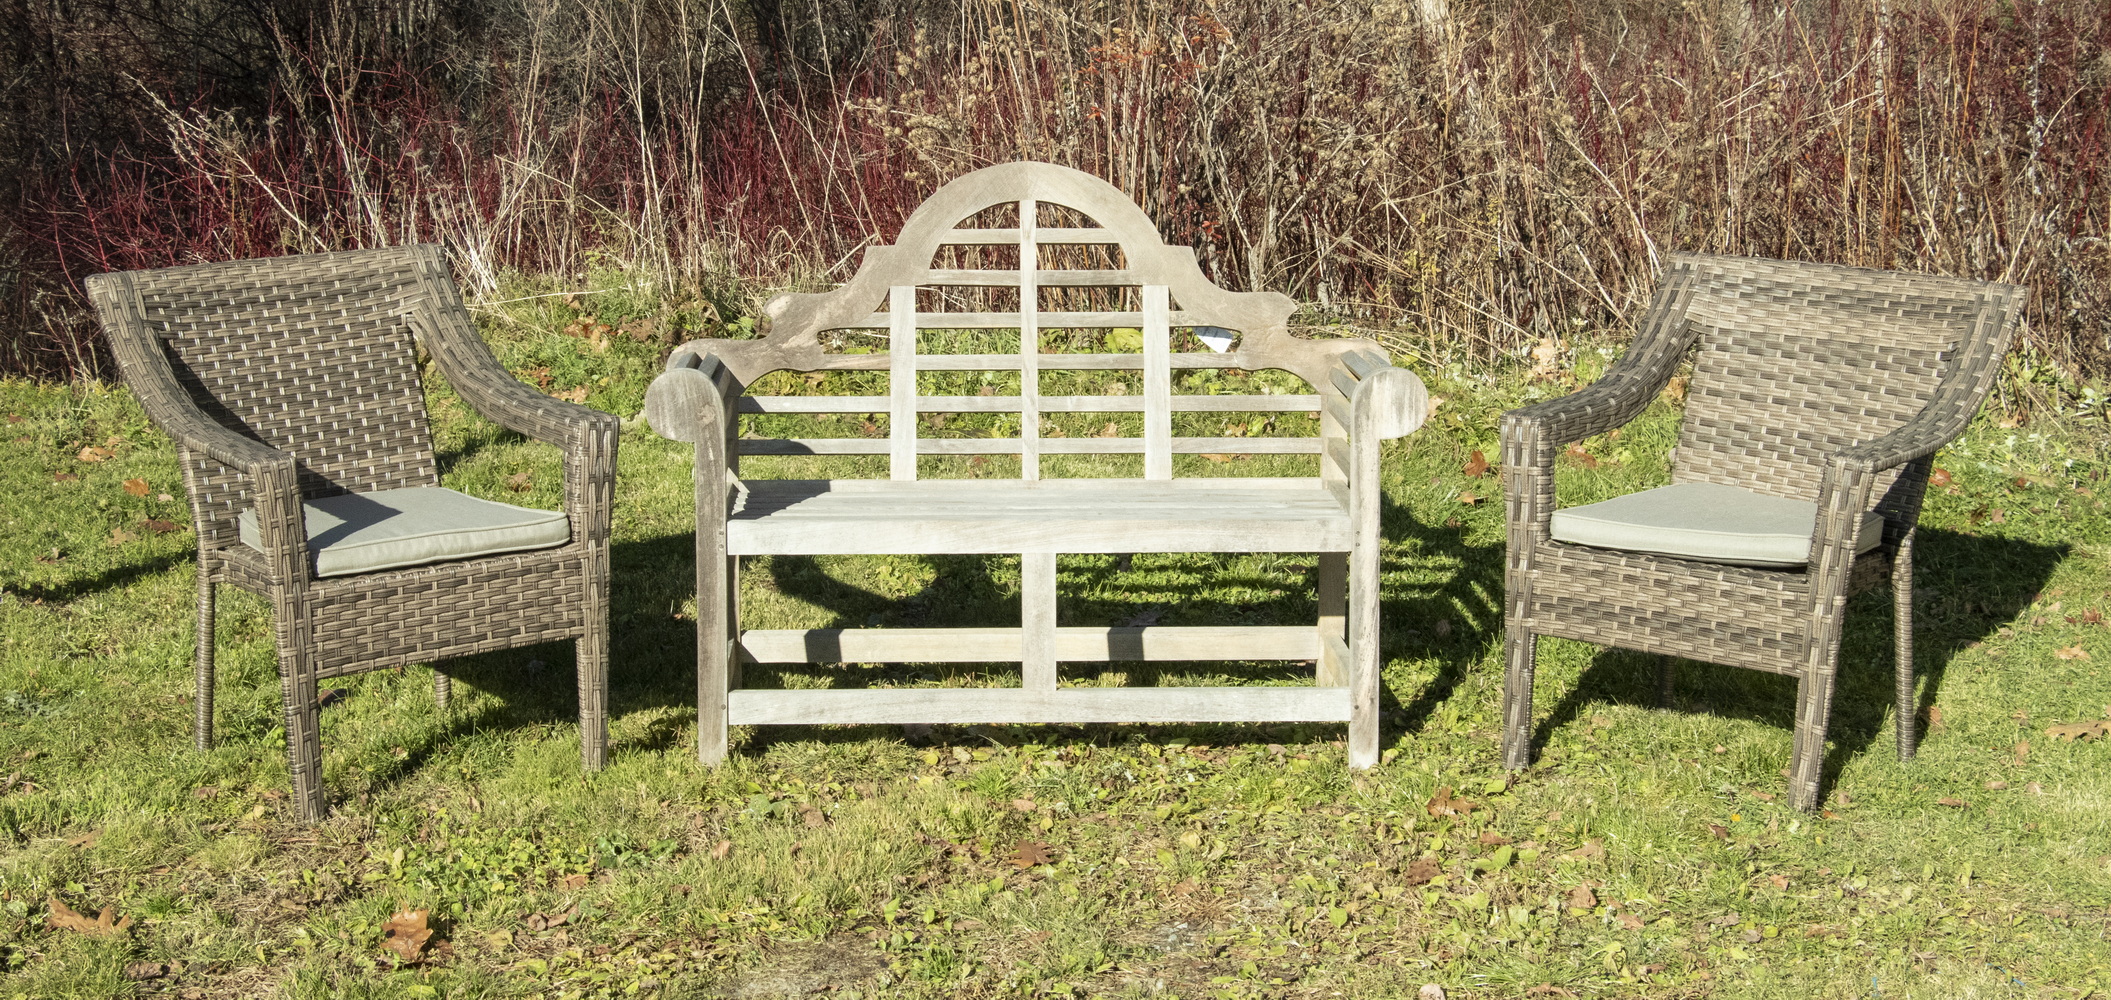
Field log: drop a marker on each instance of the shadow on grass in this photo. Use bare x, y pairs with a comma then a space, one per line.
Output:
114, 578
1965, 588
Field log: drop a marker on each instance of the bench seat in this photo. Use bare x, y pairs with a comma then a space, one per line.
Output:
820, 517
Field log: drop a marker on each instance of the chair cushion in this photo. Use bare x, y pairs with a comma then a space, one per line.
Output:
392, 529
1707, 522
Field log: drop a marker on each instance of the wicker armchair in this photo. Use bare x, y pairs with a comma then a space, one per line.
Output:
1817, 400
291, 387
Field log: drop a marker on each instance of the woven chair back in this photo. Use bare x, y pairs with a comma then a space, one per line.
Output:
1797, 361
312, 355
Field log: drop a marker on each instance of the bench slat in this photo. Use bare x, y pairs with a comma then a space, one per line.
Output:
939, 706
1073, 644
1047, 362
1010, 404
1049, 446
1008, 320
1007, 278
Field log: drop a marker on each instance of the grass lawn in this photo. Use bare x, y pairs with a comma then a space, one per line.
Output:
1648, 853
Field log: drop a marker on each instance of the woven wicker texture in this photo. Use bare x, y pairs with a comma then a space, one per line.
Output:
293, 378
1819, 383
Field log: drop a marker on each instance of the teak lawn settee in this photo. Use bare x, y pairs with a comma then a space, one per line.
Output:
1050, 252
1818, 398
291, 387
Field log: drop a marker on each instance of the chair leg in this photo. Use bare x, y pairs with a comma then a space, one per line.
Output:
1364, 661
1519, 649
590, 652
304, 757
442, 689
1664, 679
1813, 715
202, 703
1902, 620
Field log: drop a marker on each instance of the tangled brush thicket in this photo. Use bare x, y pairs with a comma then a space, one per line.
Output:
1486, 176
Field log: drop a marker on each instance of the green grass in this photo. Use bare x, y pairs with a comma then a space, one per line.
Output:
1189, 861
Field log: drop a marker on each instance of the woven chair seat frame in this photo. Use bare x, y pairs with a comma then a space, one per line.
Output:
1820, 383
288, 379
1360, 398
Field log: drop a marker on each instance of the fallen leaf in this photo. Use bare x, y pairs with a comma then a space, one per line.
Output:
1581, 898
2092, 617
94, 454
1421, 870
1779, 881
1430, 991
205, 792
14, 418
1490, 838
136, 487
119, 536
140, 971
85, 839
63, 477
164, 498
1575, 451
1763, 796
576, 880
1442, 804
1477, 465
159, 526
573, 395
1996, 786
1109, 431
331, 696
1029, 853
2072, 653
1730, 919
1590, 851
813, 817
519, 482
1934, 716
1469, 499
538, 922
1720, 831
405, 934
63, 917
1629, 921
1434, 403
1952, 803
1939, 477
1548, 990
721, 849
2034, 788
1024, 805
2084, 731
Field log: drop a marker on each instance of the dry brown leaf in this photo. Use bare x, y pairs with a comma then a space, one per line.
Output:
576, 394
1720, 831
1630, 921
85, 839
1997, 786
1109, 431
520, 482
1469, 499
1582, 898
159, 526
2084, 731
1490, 838
136, 487
1779, 881
721, 849
2072, 653
813, 817
119, 536
1575, 451
1442, 804
1024, 805
64, 917
63, 477
1591, 850
94, 454
405, 934
1029, 853
1421, 870
1952, 803
1548, 990
1940, 477
141, 971
1476, 465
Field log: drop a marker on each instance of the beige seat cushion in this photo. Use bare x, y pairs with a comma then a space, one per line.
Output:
392, 529
1708, 522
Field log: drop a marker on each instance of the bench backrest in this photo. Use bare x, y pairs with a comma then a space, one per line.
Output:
1070, 253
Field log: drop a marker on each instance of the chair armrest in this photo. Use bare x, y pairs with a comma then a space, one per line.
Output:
688, 402
1389, 403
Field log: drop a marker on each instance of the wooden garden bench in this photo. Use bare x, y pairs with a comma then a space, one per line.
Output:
1033, 219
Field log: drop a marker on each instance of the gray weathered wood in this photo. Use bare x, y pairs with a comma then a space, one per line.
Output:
1359, 398
936, 706
1073, 644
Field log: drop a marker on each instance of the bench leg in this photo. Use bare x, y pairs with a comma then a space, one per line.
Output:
1363, 656
1037, 621
717, 614
1333, 613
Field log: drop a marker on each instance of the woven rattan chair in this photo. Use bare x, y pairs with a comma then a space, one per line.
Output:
291, 387
1817, 400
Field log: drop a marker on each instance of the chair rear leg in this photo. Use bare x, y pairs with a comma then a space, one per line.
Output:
1519, 649
442, 689
1902, 619
1364, 661
202, 703
1664, 681
716, 618
1813, 715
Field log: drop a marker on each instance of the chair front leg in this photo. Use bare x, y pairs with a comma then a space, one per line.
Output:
590, 654
202, 703
1902, 620
297, 686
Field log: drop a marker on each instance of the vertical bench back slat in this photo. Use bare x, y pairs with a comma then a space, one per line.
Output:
1029, 340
